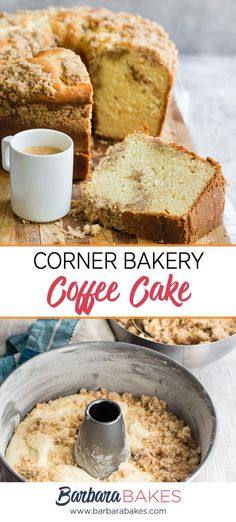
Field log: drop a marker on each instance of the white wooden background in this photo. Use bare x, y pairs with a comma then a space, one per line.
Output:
206, 95
218, 378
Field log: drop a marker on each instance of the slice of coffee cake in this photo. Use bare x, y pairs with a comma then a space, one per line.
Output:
156, 190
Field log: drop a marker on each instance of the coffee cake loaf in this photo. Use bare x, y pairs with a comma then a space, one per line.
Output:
156, 190
50, 90
131, 61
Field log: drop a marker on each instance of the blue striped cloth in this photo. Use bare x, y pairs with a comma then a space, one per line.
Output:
41, 336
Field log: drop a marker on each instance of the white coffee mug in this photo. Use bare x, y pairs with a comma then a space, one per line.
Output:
41, 185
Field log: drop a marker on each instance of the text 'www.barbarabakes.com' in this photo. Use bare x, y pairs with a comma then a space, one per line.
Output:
144, 501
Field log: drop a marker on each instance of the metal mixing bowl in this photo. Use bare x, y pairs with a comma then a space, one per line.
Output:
116, 366
190, 355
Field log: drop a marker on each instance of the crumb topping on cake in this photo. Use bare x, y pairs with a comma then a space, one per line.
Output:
183, 330
26, 32
24, 80
121, 29
162, 446
28, 79
73, 70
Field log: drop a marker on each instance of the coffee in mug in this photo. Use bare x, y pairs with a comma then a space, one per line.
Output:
42, 150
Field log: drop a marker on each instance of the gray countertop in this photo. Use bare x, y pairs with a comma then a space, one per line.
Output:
206, 94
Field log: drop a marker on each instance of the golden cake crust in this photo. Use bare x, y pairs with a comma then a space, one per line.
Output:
55, 75
205, 214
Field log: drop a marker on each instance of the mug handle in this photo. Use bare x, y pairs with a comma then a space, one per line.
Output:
6, 152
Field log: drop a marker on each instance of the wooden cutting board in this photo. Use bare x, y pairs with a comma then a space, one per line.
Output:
64, 231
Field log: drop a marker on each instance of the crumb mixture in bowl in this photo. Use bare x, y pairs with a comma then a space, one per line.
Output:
183, 330
162, 445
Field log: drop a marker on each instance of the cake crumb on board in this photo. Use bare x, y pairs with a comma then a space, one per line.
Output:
77, 232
